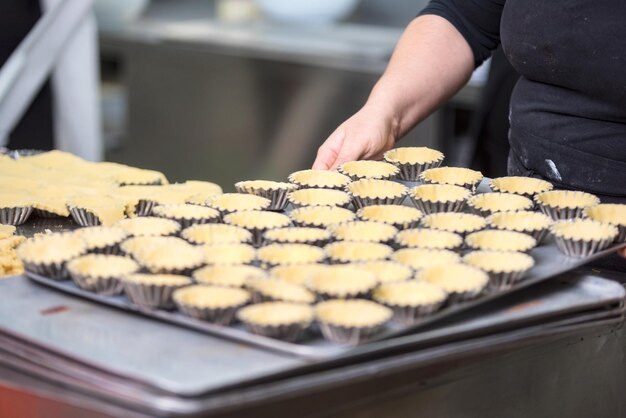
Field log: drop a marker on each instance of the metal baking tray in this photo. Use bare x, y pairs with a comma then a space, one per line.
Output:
549, 263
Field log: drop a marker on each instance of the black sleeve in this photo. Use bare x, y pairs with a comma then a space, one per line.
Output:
477, 20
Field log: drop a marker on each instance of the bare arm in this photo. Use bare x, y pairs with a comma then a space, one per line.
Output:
431, 62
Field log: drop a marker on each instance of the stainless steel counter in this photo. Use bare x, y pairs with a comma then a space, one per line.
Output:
106, 360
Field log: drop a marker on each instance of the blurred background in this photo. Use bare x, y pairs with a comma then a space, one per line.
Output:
226, 90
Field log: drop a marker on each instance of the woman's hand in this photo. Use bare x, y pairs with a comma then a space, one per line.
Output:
431, 62
365, 135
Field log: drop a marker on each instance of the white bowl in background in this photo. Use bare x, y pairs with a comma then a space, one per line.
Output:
307, 11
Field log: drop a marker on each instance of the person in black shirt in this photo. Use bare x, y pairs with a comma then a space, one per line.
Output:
568, 109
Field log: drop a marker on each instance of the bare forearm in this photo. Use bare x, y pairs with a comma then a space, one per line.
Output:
431, 62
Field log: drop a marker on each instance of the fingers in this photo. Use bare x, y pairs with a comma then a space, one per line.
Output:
329, 151
623, 252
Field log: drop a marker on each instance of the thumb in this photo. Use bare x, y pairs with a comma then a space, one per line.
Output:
329, 151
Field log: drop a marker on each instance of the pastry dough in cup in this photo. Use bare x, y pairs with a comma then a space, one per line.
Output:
460, 223
351, 322
368, 192
214, 304
153, 290
228, 254
187, 214
257, 222
610, 213
457, 176
366, 169
433, 198
48, 255
101, 273
354, 252
229, 275
505, 268
565, 204
233, 202
485, 204
275, 191
213, 234
583, 237
269, 290
323, 179
410, 301
500, 240
298, 235
342, 282
411, 161
523, 186
364, 231
320, 216
388, 271
281, 254
460, 281
419, 258
296, 273
318, 197
429, 238
399, 216
102, 239
281, 320
534, 224
149, 226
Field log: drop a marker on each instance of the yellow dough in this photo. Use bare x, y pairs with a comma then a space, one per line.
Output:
357, 251
275, 254
458, 176
229, 276
584, 230
319, 178
356, 313
277, 313
500, 240
371, 188
364, 231
455, 277
520, 185
419, 258
413, 155
319, 197
499, 261
368, 169
429, 238
440, 193
320, 216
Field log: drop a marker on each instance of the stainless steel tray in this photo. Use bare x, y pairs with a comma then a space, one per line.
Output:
549, 263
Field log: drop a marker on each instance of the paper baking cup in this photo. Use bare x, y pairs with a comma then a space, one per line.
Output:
277, 197
411, 172
300, 185
504, 279
458, 297
360, 202
409, 315
113, 249
354, 177
327, 296
144, 207
220, 316
54, 271
470, 186
187, 222
83, 217
107, 286
150, 295
286, 332
15, 216
427, 206
581, 248
348, 335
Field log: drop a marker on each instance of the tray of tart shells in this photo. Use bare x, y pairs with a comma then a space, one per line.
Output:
326, 261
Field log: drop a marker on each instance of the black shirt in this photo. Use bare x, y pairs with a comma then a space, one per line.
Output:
568, 110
